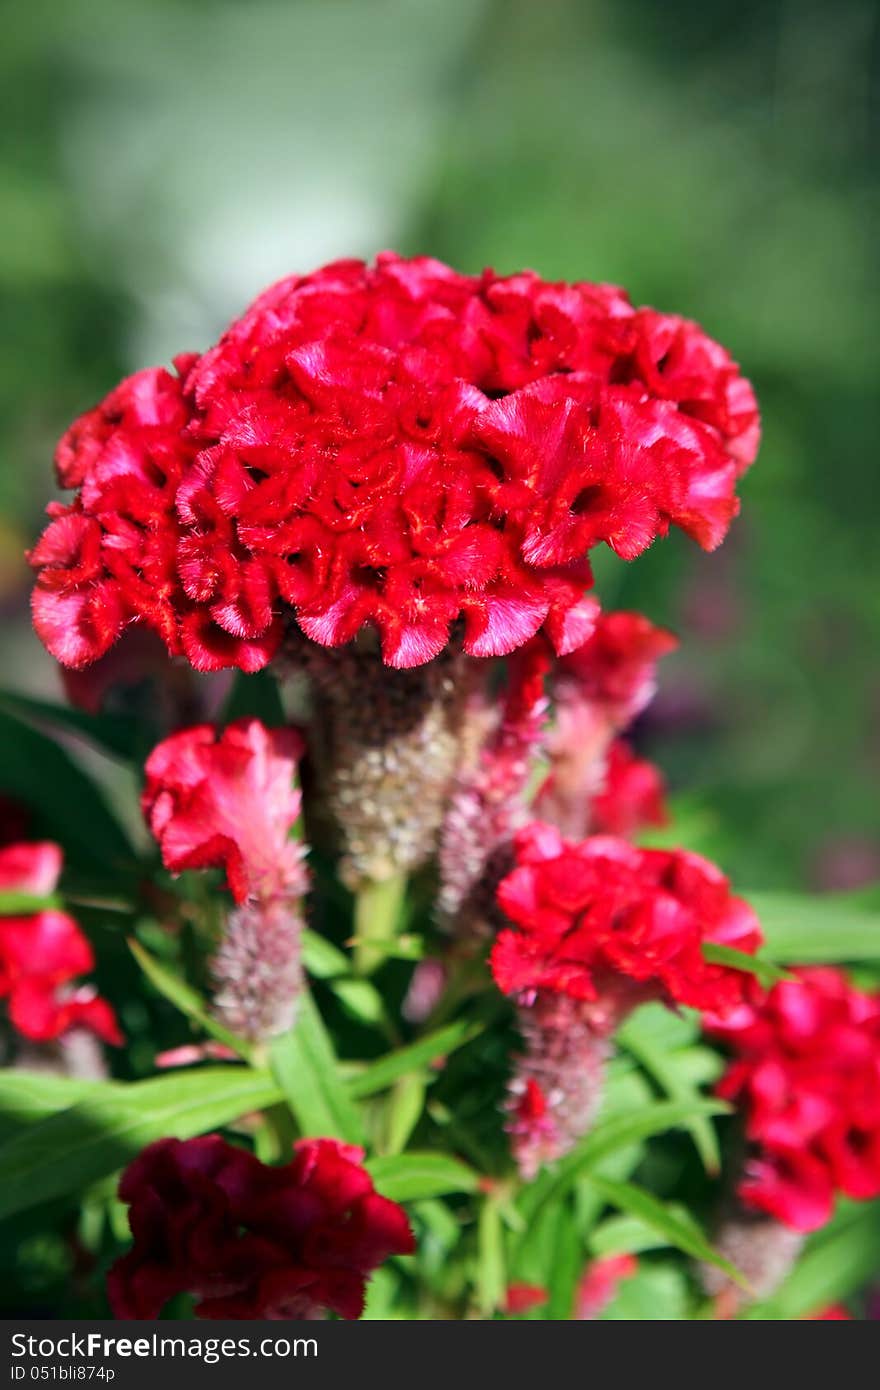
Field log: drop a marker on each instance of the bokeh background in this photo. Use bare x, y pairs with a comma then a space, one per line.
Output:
162, 160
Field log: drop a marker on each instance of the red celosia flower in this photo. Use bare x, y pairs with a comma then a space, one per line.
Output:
42, 953
631, 795
806, 1072
614, 669
229, 800
835, 1312
521, 1298
599, 1284
604, 914
252, 1241
395, 445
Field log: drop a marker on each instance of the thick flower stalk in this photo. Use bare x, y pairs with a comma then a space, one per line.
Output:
594, 784
805, 1074
398, 448
600, 926
251, 1241
43, 954
230, 801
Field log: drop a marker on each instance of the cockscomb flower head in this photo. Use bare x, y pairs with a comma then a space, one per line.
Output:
228, 800
43, 953
251, 1241
806, 1075
231, 800
604, 915
395, 446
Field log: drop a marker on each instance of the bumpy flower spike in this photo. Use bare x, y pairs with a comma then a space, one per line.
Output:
806, 1076
488, 804
600, 926
398, 448
231, 801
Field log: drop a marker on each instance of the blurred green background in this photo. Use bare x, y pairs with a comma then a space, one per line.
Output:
162, 160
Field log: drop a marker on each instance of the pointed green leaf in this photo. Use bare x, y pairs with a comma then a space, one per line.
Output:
383, 1073
68, 1151
679, 1230
805, 930
764, 970
408, 1177
305, 1066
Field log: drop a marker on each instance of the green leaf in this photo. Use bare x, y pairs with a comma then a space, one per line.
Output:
68, 1151
616, 1132
71, 808
626, 1235
254, 697
404, 1110
666, 1067
28, 1096
186, 999
409, 1177
383, 1073
678, 1229
23, 904
805, 930
764, 970
321, 958
304, 1063
491, 1265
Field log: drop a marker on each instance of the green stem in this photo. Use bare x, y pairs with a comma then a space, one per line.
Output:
377, 918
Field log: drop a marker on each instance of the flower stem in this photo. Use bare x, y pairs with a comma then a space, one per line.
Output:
377, 916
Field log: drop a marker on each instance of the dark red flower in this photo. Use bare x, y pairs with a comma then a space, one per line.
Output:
229, 800
397, 446
251, 1241
806, 1073
632, 794
595, 916
42, 953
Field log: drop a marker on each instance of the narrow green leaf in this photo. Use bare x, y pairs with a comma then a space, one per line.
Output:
664, 1066
186, 999
627, 1235
381, 1074
805, 930
404, 1110
304, 1063
679, 1230
491, 1265
23, 904
616, 1132
68, 1151
27, 1096
321, 958
764, 970
409, 1177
